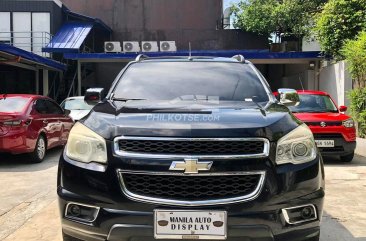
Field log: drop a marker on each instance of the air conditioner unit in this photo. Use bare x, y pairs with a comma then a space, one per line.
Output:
112, 47
149, 46
131, 46
168, 46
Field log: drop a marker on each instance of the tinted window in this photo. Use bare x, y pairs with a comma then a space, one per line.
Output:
314, 103
190, 80
13, 104
41, 106
53, 108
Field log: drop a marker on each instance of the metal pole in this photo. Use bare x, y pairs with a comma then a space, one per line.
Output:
36, 76
45, 82
79, 78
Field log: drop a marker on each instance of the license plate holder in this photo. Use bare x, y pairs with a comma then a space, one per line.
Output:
196, 224
324, 143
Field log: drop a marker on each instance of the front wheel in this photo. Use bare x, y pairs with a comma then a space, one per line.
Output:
348, 158
40, 150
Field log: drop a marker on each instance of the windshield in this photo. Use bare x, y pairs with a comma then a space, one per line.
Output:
190, 81
314, 104
12, 104
76, 104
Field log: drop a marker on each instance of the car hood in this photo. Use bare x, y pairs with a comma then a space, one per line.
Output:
318, 117
189, 119
78, 114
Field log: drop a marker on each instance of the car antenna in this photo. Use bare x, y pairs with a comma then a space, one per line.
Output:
302, 86
190, 51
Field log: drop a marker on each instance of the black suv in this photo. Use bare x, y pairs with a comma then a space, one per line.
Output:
190, 148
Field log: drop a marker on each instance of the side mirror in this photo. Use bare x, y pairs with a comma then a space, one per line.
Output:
94, 95
67, 112
343, 108
289, 97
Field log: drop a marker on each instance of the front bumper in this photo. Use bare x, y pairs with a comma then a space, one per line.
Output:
122, 219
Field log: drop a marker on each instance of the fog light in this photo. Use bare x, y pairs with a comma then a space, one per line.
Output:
81, 212
299, 214
306, 212
75, 210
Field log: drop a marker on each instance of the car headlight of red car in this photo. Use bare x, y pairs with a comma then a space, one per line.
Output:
348, 123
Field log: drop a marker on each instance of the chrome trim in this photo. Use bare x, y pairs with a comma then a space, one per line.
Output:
287, 218
127, 226
147, 199
176, 236
117, 151
80, 220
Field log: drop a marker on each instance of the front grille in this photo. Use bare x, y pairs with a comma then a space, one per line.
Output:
328, 123
192, 147
192, 188
327, 136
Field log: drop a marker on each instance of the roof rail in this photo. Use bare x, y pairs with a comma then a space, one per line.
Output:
239, 58
141, 57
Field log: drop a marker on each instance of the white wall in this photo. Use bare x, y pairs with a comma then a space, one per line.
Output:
5, 35
310, 44
336, 80
41, 24
22, 30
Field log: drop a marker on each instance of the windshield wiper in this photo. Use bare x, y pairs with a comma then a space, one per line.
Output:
124, 99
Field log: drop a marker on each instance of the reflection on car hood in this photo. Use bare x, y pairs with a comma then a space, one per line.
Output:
78, 114
190, 119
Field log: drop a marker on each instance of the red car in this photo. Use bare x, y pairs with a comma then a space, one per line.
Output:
334, 132
31, 124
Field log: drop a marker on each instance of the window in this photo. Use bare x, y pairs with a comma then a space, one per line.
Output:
13, 104
191, 80
53, 108
41, 107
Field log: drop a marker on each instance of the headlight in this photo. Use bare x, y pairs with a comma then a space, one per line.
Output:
348, 123
296, 147
84, 145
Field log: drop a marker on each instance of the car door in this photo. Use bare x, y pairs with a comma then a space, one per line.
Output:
46, 120
62, 122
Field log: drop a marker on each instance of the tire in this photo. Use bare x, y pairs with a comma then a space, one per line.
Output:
348, 158
66, 237
40, 150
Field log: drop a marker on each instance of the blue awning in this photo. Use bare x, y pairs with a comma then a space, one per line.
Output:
10, 53
258, 56
69, 38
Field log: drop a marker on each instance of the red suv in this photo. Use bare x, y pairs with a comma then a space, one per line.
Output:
334, 132
32, 124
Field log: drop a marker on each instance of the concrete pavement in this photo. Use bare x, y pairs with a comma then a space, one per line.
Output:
28, 207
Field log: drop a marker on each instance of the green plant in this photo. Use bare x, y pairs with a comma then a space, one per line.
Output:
354, 52
340, 21
358, 109
284, 18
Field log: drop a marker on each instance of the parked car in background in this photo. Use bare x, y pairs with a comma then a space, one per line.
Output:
77, 106
32, 124
334, 131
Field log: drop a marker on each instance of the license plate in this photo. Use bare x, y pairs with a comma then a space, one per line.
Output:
170, 224
324, 143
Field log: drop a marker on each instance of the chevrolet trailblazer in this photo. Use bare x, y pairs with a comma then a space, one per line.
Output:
184, 148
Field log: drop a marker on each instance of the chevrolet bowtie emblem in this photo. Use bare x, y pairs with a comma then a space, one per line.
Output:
190, 166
